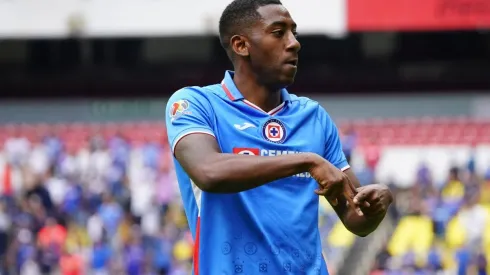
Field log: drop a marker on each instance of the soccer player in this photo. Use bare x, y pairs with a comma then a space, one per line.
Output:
252, 159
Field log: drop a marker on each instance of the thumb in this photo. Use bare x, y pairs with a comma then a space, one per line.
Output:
361, 196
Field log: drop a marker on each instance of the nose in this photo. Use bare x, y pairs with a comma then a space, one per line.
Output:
293, 43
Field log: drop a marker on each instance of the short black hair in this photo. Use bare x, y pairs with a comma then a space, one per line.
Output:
240, 14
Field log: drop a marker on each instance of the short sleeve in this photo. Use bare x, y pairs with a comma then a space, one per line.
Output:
188, 111
333, 146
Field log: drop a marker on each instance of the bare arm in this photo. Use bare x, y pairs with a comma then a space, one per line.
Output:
359, 225
217, 172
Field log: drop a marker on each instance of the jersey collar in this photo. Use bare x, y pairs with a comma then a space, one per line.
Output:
234, 94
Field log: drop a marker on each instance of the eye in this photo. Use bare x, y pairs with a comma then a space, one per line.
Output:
278, 33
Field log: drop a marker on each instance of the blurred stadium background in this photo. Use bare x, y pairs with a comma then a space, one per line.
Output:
86, 179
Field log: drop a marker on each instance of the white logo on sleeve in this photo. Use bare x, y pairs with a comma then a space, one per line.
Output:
244, 126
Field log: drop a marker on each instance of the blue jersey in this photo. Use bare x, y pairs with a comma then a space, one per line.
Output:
271, 229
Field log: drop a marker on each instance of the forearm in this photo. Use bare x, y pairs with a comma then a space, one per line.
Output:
229, 173
362, 225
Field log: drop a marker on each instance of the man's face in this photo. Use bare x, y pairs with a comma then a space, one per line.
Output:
273, 49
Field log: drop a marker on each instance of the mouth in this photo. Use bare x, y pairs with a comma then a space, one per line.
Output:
292, 62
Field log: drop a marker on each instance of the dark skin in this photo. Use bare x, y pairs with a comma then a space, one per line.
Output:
265, 60
262, 57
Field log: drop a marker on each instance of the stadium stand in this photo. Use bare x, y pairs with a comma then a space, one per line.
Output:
442, 190
102, 198
89, 198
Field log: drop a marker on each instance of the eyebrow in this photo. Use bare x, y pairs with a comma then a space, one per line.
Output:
282, 24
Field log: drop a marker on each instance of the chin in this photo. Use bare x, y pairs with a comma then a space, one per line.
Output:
286, 81
281, 79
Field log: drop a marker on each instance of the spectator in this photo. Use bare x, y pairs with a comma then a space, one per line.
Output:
474, 219
434, 260
5, 224
460, 221
134, 255
39, 158
37, 191
89, 200
424, 180
372, 154
71, 264
463, 259
57, 186
454, 190
485, 189
482, 263
51, 240
16, 147
111, 214
101, 258
166, 182
349, 142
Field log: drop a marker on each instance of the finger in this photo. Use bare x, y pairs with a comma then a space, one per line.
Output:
361, 196
349, 188
350, 202
321, 192
356, 207
325, 192
333, 191
333, 199
365, 205
349, 195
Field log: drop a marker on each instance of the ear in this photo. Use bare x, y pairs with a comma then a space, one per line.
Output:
239, 45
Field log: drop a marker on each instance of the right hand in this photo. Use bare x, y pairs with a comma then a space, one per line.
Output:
333, 182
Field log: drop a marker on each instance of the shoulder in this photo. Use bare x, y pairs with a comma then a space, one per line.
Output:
209, 92
304, 101
307, 103
312, 106
195, 92
196, 95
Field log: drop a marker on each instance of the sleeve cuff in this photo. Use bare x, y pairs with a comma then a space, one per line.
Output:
345, 168
187, 132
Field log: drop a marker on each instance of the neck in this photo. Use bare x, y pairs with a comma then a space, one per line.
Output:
249, 85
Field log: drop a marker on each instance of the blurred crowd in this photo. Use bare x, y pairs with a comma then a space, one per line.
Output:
102, 199
96, 203
442, 227
439, 227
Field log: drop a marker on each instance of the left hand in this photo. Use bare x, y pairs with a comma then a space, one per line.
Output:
373, 199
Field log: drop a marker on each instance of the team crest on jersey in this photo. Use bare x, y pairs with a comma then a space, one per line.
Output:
274, 131
179, 108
